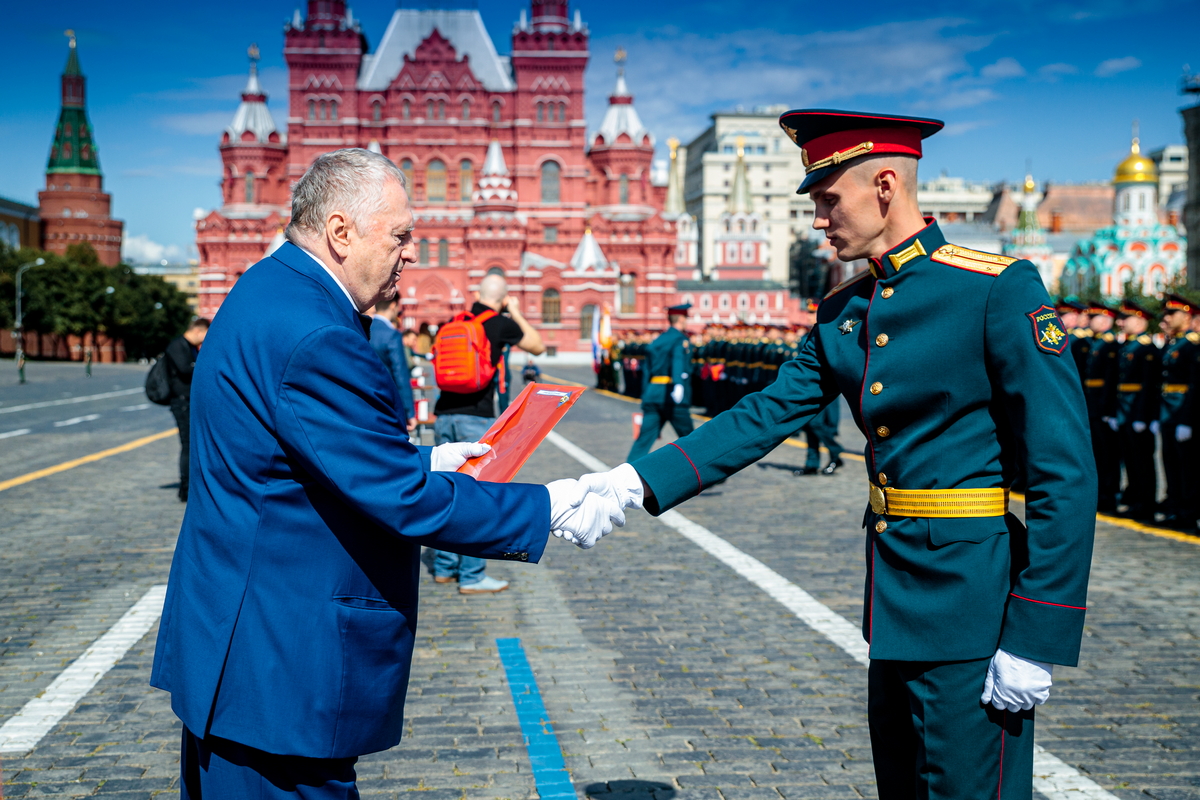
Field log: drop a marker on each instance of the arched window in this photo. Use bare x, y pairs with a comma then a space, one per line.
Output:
550, 176
423, 252
333, 109
562, 112
552, 307
441, 109
706, 302
760, 302
443, 253
541, 111
628, 294
723, 302
435, 181
1141, 201
1126, 203
406, 166
66, 150
377, 111
428, 109
406, 110
741, 226
322, 110
495, 112
249, 187
585, 321
623, 190
466, 180
466, 109
743, 301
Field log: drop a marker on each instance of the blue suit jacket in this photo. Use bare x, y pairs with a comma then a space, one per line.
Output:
292, 603
389, 345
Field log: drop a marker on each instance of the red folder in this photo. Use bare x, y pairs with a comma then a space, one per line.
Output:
519, 431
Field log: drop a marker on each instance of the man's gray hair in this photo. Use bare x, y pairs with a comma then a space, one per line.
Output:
349, 180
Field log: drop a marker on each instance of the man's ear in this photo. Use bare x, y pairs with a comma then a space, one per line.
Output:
337, 233
886, 183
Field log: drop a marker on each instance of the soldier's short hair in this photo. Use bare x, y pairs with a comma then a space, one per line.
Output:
349, 180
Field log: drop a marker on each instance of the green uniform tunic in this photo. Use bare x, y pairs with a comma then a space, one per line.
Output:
668, 357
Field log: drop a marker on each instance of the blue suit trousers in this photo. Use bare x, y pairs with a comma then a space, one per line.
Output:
218, 769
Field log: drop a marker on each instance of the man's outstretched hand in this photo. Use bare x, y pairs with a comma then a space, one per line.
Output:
452, 455
579, 516
1014, 683
621, 485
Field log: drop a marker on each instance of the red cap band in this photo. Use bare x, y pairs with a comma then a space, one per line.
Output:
903, 140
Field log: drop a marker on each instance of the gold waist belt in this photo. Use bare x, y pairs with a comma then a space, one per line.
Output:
661, 379
1129, 387
939, 502
1094, 383
1174, 388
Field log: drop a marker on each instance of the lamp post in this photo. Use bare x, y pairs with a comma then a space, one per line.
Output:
17, 330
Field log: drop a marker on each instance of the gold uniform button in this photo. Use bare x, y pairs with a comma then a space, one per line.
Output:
887, 292
880, 526
881, 339
882, 479
883, 431
876, 387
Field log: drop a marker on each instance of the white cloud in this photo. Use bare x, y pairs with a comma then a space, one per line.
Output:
1052, 72
959, 128
1114, 66
141, 249
201, 123
1007, 67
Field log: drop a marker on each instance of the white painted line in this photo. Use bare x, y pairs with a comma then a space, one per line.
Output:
25, 729
138, 407
10, 434
1052, 777
76, 420
66, 401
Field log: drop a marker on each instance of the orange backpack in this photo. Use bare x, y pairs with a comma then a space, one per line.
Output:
462, 355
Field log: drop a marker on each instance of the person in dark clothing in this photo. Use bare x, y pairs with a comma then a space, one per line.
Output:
181, 360
823, 430
388, 344
464, 417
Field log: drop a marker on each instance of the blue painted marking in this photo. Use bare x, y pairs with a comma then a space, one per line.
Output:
549, 771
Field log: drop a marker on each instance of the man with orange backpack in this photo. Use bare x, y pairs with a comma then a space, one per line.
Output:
466, 354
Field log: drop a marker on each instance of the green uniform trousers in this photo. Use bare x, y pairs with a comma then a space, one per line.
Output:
654, 416
933, 740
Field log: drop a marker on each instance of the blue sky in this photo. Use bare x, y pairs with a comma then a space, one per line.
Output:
1055, 82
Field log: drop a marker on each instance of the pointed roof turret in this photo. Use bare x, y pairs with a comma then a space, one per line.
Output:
588, 254
621, 117
674, 205
252, 115
494, 191
73, 150
739, 195
494, 164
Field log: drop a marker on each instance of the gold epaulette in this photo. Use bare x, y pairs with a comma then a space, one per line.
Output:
972, 260
1144, 339
1108, 337
1193, 337
845, 283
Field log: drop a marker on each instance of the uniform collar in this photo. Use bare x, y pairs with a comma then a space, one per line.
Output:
911, 251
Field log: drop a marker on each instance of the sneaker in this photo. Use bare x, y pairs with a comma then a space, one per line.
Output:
444, 578
486, 586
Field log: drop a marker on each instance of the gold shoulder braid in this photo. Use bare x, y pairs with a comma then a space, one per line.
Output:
972, 260
847, 282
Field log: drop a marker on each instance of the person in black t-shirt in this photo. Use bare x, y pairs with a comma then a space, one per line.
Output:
181, 360
464, 417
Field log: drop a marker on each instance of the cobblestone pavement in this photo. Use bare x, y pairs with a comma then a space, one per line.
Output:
666, 674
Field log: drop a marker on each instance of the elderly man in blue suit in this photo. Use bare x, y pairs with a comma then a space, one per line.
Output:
287, 634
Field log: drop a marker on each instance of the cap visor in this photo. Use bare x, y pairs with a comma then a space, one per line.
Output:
816, 177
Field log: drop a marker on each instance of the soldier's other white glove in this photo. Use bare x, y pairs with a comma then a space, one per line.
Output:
1139, 427
677, 393
621, 485
1183, 433
1154, 427
1014, 683
1110, 421
452, 455
579, 516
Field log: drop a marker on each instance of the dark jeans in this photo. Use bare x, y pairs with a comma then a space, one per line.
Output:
218, 769
181, 408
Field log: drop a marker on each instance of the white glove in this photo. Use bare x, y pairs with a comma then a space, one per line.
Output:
1110, 421
1139, 427
1183, 433
1154, 427
1014, 683
621, 485
677, 393
452, 455
579, 516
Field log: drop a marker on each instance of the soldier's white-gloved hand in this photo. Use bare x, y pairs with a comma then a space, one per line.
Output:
586, 522
1139, 427
621, 485
452, 455
565, 497
1014, 683
1110, 421
1183, 433
677, 393
1154, 427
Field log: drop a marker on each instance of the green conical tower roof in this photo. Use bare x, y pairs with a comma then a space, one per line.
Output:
73, 150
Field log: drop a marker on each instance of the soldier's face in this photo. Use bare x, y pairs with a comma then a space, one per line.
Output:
1101, 323
1134, 326
848, 211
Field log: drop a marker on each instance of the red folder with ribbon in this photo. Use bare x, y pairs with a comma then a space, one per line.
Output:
519, 430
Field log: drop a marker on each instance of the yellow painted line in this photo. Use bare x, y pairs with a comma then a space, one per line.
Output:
78, 462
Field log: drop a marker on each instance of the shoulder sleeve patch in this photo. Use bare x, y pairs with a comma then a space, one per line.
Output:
972, 260
846, 283
1048, 332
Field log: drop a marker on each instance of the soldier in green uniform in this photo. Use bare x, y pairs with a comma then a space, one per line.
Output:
667, 388
1100, 390
964, 603
1074, 316
1177, 412
1138, 373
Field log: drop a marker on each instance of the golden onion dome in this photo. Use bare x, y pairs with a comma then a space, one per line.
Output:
1136, 168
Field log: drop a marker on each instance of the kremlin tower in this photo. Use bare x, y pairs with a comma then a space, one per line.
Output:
74, 206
